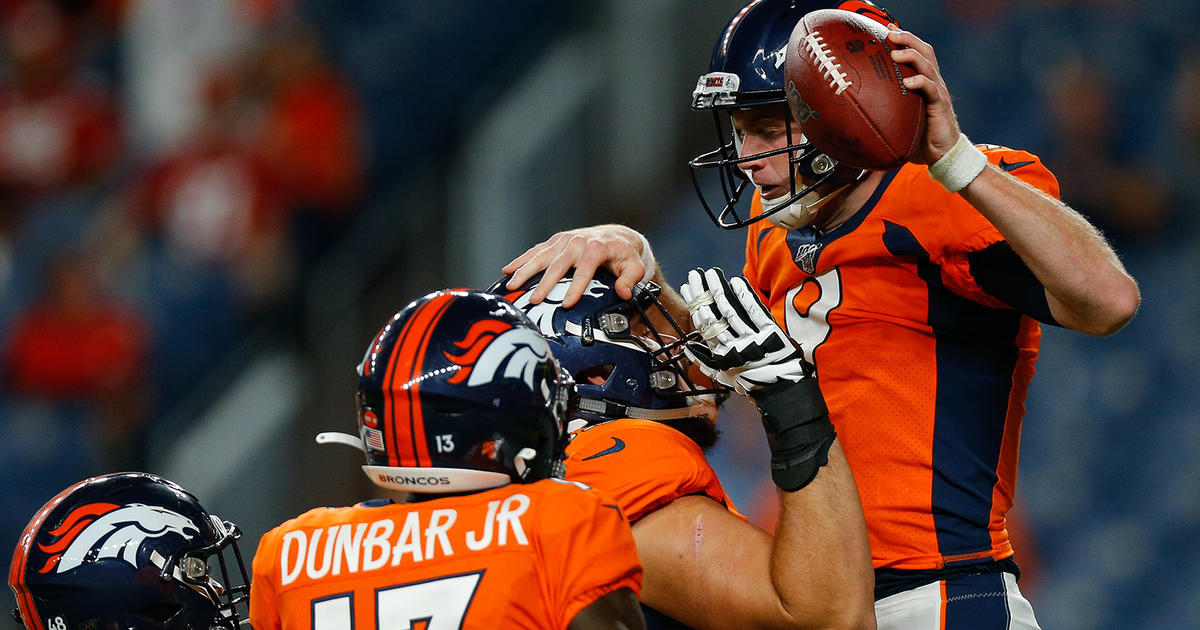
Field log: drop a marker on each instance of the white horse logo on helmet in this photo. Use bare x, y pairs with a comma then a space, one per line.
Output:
121, 532
542, 313
496, 349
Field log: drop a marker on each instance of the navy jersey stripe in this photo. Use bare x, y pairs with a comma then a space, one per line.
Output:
803, 236
1003, 274
978, 602
758, 244
976, 356
659, 621
856, 220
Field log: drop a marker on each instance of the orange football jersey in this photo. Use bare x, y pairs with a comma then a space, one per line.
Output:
642, 464
520, 556
924, 370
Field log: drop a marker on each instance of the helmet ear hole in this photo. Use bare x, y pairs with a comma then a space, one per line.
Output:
594, 375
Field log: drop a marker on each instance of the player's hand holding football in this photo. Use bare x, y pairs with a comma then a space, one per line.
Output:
954, 162
746, 349
941, 125
743, 347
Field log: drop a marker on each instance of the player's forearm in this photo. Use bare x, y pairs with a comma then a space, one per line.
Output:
821, 560
1086, 285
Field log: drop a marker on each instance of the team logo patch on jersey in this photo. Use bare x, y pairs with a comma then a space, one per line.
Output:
807, 254
105, 530
494, 349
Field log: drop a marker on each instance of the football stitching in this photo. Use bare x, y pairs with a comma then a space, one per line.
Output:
818, 51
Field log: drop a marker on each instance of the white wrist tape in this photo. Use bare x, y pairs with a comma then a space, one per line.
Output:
648, 261
960, 166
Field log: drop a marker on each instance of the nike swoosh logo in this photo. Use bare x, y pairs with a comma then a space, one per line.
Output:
1012, 166
618, 445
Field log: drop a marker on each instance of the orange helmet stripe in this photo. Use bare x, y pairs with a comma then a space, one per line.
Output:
415, 410
399, 452
16, 570
403, 388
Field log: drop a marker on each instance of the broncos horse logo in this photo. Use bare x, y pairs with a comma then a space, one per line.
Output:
105, 530
493, 349
542, 314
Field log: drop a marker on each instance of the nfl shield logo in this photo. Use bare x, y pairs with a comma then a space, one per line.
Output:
806, 256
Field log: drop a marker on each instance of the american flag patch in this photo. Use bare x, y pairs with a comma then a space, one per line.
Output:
373, 438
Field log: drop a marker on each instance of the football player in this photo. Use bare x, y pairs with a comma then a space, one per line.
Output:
461, 404
916, 292
127, 550
639, 435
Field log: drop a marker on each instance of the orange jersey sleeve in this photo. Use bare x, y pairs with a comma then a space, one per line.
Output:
644, 465
521, 556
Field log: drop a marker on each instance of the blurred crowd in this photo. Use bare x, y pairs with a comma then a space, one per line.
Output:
129, 261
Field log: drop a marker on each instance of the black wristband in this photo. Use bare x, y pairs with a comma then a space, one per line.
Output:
798, 430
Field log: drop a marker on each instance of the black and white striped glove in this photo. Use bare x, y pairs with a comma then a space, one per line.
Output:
744, 348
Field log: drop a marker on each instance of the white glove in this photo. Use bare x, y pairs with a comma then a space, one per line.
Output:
744, 348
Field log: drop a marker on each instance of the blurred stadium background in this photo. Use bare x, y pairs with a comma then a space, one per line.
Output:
208, 208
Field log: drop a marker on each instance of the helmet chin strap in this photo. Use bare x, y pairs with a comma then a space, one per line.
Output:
610, 409
797, 215
803, 211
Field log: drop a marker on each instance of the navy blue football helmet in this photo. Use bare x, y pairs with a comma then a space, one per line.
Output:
127, 551
457, 393
623, 365
747, 70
